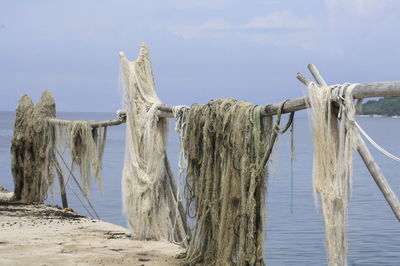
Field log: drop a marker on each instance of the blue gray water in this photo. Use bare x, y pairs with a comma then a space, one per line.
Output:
292, 238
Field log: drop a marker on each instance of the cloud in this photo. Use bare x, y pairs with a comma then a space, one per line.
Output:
276, 28
204, 29
362, 20
361, 8
280, 20
208, 4
300, 39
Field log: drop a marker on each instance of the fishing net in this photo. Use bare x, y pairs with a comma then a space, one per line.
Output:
225, 142
334, 143
85, 146
37, 141
149, 192
32, 149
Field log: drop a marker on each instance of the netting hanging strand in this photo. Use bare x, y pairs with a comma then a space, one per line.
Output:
334, 143
224, 143
148, 188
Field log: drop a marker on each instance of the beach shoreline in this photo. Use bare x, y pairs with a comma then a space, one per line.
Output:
46, 235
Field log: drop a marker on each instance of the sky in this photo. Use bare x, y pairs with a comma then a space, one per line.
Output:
201, 49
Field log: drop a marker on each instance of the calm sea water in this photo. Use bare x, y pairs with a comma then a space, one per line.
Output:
292, 237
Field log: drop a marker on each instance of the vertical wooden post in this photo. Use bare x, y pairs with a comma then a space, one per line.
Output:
64, 200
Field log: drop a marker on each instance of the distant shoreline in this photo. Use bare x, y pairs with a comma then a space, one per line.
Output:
380, 116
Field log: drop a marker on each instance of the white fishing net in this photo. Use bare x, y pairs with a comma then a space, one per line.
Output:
149, 192
334, 143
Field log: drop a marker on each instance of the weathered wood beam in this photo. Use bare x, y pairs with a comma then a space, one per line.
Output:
317, 76
379, 178
360, 91
93, 124
63, 192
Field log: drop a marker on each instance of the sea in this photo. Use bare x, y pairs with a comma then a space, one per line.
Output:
294, 233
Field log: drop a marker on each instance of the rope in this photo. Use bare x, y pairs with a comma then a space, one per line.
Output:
182, 166
376, 145
337, 95
292, 159
77, 183
76, 195
277, 130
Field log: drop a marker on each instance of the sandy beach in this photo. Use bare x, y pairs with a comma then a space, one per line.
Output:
44, 235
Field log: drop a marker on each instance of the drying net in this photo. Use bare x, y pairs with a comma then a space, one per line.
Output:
334, 143
85, 147
149, 191
225, 142
32, 149
37, 141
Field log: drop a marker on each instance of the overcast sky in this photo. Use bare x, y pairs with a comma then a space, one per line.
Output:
201, 49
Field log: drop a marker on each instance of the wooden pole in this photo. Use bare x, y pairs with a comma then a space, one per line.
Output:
105, 123
379, 178
360, 91
368, 159
317, 76
62, 185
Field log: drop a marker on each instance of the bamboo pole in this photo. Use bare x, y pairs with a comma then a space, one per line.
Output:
367, 157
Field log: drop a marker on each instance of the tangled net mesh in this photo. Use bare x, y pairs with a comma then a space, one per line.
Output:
224, 143
149, 191
86, 149
32, 149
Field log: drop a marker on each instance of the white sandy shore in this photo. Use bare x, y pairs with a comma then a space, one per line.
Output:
42, 235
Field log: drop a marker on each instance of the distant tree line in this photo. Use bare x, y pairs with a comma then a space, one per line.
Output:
388, 106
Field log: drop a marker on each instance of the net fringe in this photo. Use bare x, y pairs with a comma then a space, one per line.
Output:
86, 149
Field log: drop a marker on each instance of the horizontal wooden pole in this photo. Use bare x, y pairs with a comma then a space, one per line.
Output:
360, 91
93, 124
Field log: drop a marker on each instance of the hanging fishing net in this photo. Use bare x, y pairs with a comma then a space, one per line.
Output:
148, 188
334, 143
225, 142
85, 146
